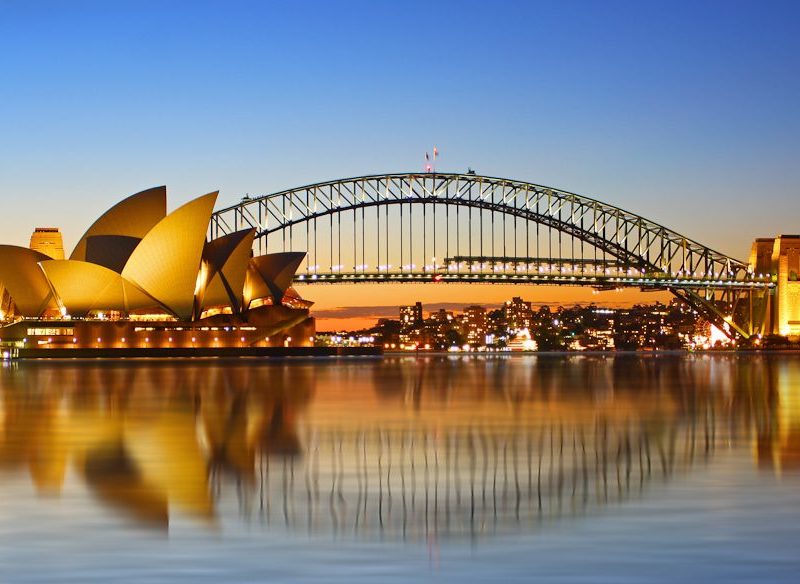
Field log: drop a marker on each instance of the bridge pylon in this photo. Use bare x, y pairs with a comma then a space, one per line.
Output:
779, 259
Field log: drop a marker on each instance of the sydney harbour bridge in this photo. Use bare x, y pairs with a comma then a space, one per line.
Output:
466, 228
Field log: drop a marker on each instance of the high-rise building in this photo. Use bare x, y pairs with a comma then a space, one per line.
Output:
474, 325
411, 324
48, 240
440, 328
517, 314
411, 316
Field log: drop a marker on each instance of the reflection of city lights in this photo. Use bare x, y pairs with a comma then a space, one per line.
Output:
717, 336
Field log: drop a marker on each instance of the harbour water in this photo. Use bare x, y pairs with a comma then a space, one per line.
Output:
446, 469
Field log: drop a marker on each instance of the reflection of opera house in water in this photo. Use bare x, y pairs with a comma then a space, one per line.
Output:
140, 278
411, 448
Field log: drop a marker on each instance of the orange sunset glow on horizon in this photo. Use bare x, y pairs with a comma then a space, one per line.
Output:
358, 306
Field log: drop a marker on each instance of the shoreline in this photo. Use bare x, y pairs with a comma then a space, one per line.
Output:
340, 352
665, 352
23, 354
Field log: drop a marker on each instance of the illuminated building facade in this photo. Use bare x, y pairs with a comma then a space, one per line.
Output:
411, 315
474, 326
48, 240
518, 314
142, 278
780, 258
439, 327
410, 323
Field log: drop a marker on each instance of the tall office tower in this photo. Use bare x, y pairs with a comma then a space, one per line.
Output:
518, 314
474, 325
411, 316
411, 324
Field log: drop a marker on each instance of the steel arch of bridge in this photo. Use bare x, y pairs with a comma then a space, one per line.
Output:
490, 223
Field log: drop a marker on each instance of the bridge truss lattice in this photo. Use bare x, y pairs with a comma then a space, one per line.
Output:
436, 227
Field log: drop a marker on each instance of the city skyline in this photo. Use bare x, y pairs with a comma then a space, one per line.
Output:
338, 318
520, 325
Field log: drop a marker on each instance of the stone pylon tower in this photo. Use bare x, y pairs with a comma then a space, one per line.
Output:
780, 258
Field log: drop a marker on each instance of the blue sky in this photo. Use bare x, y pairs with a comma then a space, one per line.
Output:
683, 112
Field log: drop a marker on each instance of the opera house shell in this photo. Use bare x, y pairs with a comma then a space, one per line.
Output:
142, 277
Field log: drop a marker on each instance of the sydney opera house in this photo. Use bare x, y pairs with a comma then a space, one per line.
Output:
142, 278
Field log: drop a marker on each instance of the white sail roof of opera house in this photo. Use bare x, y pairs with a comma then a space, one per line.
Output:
271, 275
22, 279
225, 262
167, 261
133, 217
84, 287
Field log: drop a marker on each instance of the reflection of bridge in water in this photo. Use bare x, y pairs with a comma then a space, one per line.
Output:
597, 440
400, 448
412, 483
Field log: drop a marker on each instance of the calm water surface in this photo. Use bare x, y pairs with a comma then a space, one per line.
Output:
559, 468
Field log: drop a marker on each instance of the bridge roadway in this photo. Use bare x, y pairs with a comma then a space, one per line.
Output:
652, 282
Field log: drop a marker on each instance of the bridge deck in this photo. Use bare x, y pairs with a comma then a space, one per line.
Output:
571, 279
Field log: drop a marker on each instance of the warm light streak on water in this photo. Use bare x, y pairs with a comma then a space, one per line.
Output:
452, 469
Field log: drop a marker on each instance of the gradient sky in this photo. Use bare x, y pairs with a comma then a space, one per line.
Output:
683, 112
